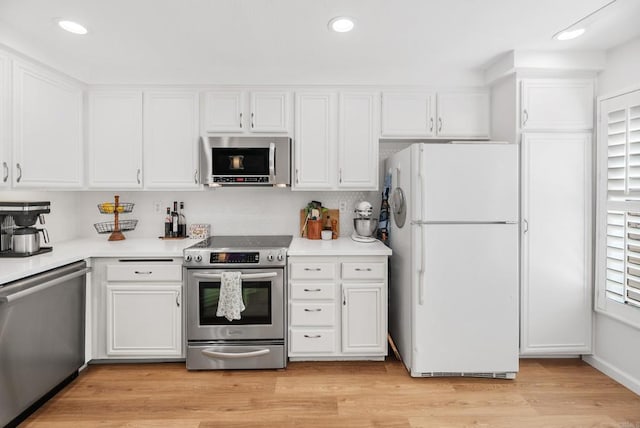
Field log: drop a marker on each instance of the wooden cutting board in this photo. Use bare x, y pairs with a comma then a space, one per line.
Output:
333, 213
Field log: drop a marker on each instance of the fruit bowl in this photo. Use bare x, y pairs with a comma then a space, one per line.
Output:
110, 226
110, 207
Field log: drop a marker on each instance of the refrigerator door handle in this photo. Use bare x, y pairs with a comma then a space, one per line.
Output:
422, 263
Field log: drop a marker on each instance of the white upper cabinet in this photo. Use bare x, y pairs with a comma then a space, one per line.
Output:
336, 140
463, 114
358, 140
269, 112
459, 114
556, 104
115, 139
224, 111
5, 161
47, 129
315, 140
408, 114
238, 111
171, 121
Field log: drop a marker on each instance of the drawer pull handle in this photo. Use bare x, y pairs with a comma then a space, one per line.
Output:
313, 290
363, 270
312, 269
313, 310
146, 272
315, 336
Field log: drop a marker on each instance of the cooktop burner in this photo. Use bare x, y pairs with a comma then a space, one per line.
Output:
251, 242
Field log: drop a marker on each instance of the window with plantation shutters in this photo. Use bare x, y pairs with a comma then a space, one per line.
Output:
618, 252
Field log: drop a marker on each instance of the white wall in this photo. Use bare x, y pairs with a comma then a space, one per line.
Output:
617, 345
61, 223
229, 211
622, 69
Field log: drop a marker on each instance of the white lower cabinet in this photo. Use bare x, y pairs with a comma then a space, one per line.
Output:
337, 308
137, 309
144, 320
364, 318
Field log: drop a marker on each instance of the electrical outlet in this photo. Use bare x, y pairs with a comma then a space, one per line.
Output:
157, 206
343, 206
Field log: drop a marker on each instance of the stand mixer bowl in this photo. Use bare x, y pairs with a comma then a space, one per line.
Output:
365, 227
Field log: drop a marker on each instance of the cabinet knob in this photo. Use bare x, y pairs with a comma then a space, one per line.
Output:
19, 168
240, 120
6, 172
525, 117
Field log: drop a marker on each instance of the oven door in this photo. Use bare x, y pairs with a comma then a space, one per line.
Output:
263, 297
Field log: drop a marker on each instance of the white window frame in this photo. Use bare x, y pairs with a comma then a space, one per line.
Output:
625, 313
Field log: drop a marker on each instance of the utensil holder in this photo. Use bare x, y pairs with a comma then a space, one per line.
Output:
314, 229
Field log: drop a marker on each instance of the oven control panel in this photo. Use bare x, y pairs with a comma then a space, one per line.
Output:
197, 257
234, 257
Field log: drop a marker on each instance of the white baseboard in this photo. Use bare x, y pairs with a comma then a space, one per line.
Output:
613, 372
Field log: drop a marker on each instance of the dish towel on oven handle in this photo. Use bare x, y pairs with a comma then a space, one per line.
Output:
230, 302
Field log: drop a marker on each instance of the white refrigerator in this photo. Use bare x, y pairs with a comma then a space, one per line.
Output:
453, 293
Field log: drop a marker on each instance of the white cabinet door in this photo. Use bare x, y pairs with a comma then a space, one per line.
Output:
364, 318
224, 111
556, 244
556, 104
144, 320
463, 114
47, 129
115, 139
358, 141
5, 161
269, 112
171, 140
315, 141
408, 114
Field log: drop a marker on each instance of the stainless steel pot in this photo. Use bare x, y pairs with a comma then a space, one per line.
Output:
26, 240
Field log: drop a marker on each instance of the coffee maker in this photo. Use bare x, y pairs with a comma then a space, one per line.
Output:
18, 236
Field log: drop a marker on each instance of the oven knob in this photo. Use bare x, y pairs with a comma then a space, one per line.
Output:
280, 257
198, 258
270, 257
187, 258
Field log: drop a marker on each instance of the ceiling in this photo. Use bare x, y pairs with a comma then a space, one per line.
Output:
287, 41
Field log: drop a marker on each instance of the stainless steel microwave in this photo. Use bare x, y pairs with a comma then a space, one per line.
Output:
247, 161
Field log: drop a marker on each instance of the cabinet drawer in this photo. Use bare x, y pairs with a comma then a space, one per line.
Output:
312, 314
363, 271
313, 291
313, 270
144, 272
312, 341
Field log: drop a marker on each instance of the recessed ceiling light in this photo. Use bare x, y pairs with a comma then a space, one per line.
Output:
72, 27
569, 34
341, 24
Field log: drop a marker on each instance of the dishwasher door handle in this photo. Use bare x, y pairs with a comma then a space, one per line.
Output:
48, 284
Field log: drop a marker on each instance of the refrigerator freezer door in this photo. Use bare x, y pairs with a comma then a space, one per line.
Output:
468, 182
468, 319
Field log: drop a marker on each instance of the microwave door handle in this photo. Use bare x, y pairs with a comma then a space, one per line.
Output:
208, 156
242, 276
272, 163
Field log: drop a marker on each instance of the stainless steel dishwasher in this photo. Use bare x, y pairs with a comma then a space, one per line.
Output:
41, 337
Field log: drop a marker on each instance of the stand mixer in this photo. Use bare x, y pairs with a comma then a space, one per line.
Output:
364, 226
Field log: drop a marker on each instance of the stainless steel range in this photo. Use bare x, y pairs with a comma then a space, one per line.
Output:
258, 339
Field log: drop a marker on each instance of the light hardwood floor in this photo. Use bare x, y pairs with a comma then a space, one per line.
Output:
546, 393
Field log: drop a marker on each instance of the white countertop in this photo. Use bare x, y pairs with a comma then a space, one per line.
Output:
63, 253
79, 249
344, 246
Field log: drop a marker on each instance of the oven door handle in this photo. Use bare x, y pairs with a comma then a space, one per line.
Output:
272, 163
234, 355
242, 276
